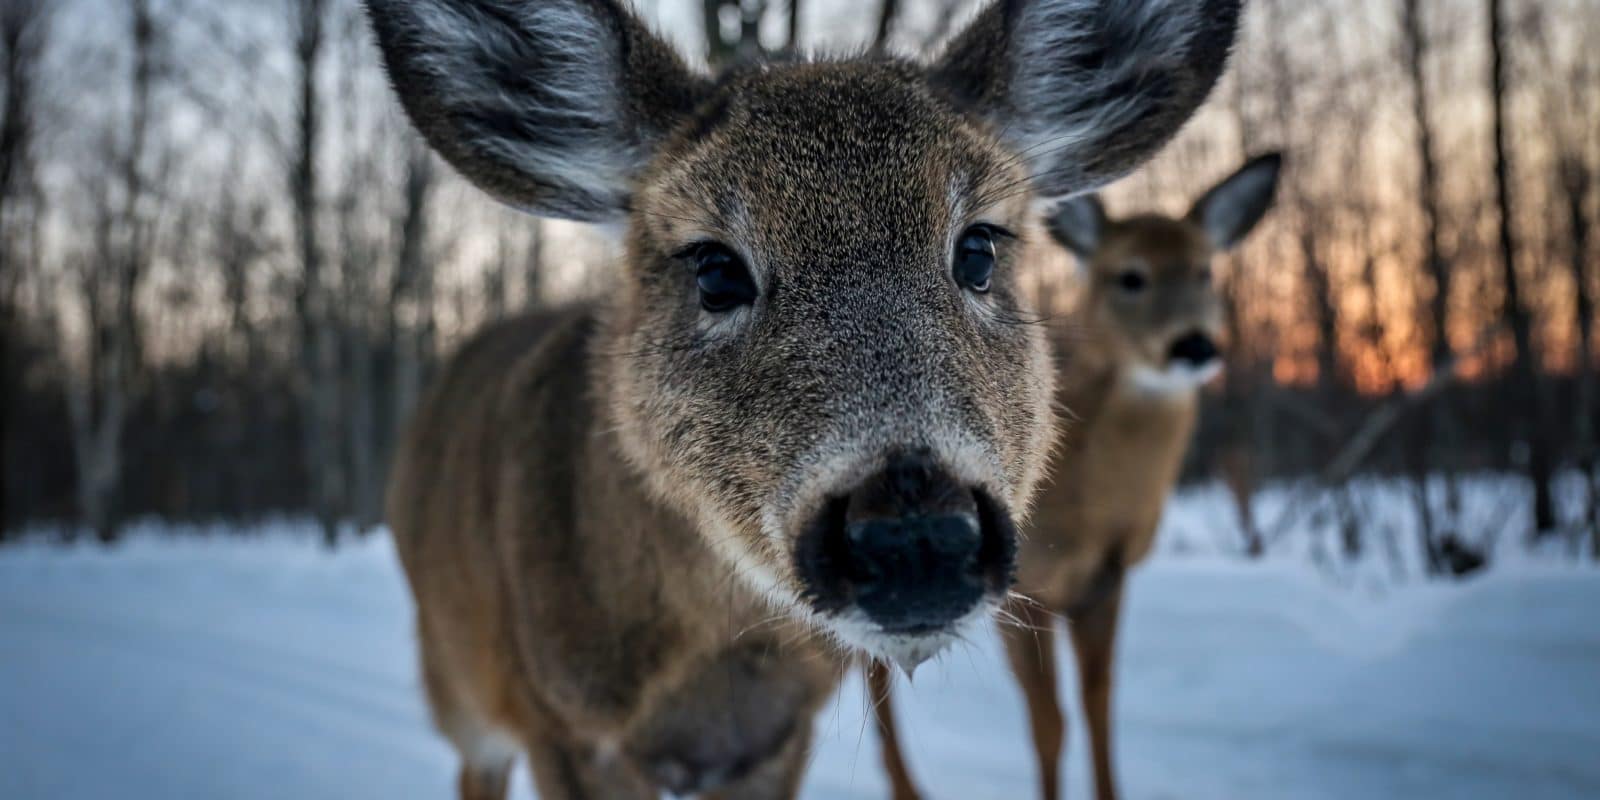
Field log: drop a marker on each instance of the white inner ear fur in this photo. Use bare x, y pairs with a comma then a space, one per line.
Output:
1049, 36
579, 66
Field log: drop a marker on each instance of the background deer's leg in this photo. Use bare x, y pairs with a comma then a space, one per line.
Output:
1031, 647
1094, 634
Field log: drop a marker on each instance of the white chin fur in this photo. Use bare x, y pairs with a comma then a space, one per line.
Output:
856, 632
1178, 377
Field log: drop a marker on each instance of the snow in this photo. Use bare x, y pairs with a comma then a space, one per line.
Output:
265, 667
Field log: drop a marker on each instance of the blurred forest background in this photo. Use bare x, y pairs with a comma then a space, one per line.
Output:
227, 266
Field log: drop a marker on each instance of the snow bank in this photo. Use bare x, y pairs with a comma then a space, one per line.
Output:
264, 667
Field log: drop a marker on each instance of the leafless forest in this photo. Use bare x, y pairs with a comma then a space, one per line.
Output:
227, 267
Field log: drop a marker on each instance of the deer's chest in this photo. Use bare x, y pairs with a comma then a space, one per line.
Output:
732, 713
1111, 481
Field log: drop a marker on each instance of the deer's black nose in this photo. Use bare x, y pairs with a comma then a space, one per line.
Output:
1196, 348
910, 547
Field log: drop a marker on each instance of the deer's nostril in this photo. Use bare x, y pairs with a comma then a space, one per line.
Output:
909, 547
1195, 348
916, 573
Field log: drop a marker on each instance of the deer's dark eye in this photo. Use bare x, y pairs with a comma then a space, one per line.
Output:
1131, 281
722, 278
974, 258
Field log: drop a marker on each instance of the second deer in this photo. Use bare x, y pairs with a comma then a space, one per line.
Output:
1145, 329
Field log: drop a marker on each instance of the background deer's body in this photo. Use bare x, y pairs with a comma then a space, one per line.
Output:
1132, 356
805, 398
1096, 517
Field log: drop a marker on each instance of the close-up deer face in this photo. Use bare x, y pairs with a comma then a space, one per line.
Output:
1150, 297
815, 349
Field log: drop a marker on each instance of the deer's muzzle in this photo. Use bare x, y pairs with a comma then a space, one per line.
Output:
909, 547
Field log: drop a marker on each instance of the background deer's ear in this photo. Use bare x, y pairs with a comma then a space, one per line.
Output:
1086, 90
1078, 224
1231, 208
552, 107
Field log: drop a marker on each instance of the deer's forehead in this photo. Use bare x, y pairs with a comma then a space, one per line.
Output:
856, 151
1160, 244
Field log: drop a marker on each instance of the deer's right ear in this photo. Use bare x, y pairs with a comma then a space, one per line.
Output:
1078, 224
553, 107
1085, 90
1231, 208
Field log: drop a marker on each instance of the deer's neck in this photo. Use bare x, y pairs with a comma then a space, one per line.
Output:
1121, 423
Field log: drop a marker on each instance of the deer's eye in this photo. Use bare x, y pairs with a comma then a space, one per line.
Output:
1132, 281
974, 258
721, 276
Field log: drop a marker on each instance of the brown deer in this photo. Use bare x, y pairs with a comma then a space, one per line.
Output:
1137, 347
810, 394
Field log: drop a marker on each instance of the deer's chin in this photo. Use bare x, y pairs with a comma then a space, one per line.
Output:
855, 631
1175, 378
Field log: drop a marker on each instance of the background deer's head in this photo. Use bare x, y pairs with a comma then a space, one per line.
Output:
1149, 299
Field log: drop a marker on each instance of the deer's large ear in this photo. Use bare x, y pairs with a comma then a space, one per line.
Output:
1078, 224
1085, 90
1231, 208
552, 106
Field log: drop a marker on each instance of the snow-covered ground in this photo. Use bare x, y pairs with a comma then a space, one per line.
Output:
263, 667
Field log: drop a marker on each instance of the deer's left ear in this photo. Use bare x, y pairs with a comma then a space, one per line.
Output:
1078, 224
1086, 90
553, 107
1231, 208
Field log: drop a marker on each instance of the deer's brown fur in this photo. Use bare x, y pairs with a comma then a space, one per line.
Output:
604, 512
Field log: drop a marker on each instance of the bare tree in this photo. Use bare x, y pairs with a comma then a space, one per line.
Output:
1571, 114
411, 290
793, 42
1575, 182
533, 264
24, 27
1439, 427
319, 351
1525, 374
745, 39
110, 277
886, 16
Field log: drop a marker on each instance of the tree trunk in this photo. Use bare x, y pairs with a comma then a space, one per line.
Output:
1575, 181
318, 350
794, 26
718, 49
410, 307
886, 14
99, 399
750, 14
533, 266
22, 36
1525, 397
1432, 434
